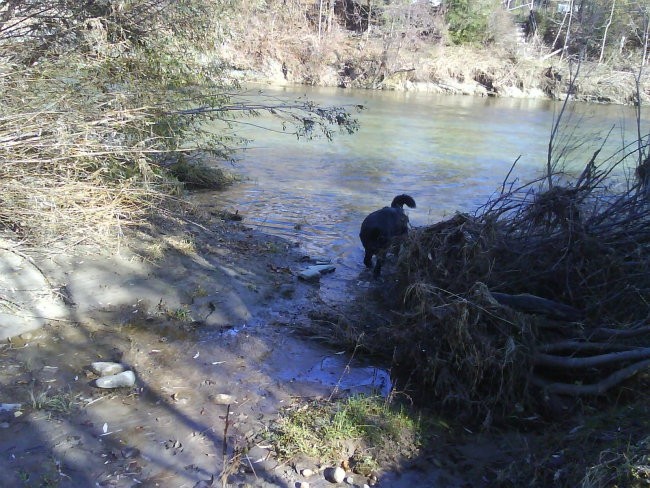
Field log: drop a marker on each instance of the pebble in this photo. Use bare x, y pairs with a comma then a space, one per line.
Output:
349, 480
302, 484
123, 379
313, 273
223, 399
105, 368
334, 475
306, 472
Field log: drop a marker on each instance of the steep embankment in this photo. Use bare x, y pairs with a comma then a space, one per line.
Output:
280, 47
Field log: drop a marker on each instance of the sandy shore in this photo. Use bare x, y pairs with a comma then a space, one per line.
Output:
196, 312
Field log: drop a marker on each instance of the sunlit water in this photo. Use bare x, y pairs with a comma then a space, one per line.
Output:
449, 152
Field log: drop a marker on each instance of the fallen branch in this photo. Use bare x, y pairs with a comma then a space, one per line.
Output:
594, 389
607, 333
577, 346
534, 304
565, 362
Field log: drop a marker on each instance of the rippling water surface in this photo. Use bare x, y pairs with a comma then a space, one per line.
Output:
449, 152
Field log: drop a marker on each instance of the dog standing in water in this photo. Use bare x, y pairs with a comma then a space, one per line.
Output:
381, 226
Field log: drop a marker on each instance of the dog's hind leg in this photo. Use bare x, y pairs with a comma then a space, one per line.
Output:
367, 260
381, 255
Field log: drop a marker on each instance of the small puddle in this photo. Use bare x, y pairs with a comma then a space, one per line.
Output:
333, 371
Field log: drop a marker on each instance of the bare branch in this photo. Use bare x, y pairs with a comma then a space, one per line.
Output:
595, 389
565, 362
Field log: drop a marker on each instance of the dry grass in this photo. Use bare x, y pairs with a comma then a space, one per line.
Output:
68, 168
87, 124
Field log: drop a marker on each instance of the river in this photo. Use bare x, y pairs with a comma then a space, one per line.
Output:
449, 152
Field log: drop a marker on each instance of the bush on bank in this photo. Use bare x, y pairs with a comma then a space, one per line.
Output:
105, 110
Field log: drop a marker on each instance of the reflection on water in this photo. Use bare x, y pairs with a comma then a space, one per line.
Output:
449, 152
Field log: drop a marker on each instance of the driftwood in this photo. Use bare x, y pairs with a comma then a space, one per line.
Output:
571, 315
599, 388
572, 346
576, 352
622, 360
538, 305
604, 333
565, 362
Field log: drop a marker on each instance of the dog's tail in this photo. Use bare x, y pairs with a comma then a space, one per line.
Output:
400, 200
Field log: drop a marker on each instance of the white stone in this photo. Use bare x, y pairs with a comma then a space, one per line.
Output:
105, 368
334, 475
123, 379
306, 472
223, 399
313, 273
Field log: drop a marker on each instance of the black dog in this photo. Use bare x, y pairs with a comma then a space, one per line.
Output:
380, 227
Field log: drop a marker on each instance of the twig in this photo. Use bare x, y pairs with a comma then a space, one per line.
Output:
224, 472
345, 371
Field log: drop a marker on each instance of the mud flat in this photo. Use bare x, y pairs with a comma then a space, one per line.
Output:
203, 315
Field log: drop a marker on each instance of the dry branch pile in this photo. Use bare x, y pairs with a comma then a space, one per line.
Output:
546, 289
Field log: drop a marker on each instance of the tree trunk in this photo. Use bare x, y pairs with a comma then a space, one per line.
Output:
568, 30
320, 20
609, 23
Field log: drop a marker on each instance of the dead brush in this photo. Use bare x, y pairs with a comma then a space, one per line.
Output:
71, 164
472, 354
543, 291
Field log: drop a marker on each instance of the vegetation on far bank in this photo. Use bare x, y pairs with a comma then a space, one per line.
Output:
486, 47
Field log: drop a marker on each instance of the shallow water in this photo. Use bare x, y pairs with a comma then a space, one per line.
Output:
449, 152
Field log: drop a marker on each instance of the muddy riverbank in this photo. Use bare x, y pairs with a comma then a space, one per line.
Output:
204, 313
209, 315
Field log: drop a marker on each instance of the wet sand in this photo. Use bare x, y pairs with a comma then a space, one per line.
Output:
200, 313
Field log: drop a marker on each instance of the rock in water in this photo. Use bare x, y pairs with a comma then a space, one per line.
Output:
123, 379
